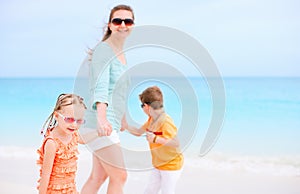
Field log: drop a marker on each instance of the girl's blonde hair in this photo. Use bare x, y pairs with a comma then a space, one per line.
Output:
62, 101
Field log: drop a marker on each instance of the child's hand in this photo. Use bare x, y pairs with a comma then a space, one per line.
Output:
150, 137
124, 124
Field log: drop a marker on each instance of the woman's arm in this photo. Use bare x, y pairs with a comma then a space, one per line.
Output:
104, 127
49, 155
100, 79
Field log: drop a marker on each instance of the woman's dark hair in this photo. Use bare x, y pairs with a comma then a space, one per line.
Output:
116, 8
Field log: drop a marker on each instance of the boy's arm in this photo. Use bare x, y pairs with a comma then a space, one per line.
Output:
131, 129
135, 131
168, 142
152, 138
169, 136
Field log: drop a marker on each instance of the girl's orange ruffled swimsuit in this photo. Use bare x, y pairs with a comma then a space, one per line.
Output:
62, 178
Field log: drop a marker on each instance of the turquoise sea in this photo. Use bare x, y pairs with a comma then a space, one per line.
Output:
262, 116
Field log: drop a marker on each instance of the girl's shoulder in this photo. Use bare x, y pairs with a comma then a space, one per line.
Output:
49, 138
49, 143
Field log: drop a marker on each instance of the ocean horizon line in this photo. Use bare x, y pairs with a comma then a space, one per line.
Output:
191, 76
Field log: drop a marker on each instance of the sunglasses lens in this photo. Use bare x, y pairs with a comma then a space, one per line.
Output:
69, 120
128, 22
72, 120
117, 21
80, 121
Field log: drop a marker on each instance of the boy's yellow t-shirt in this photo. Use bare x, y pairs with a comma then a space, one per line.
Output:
164, 157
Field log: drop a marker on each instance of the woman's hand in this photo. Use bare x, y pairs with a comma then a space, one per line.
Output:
104, 127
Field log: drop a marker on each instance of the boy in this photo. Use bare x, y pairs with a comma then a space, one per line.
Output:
161, 135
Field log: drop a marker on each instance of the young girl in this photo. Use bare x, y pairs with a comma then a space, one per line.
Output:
58, 152
161, 135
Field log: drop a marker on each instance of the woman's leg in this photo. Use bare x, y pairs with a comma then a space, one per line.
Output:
112, 161
96, 179
154, 184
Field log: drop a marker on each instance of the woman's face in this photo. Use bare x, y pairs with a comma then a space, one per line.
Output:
121, 23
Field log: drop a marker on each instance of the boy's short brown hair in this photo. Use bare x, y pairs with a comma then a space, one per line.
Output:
153, 97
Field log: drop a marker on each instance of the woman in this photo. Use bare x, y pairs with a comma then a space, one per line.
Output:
106, 110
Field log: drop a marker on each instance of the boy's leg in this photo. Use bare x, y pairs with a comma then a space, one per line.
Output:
154, 184
169, 180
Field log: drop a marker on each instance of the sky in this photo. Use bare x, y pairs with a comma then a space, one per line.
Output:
49, 38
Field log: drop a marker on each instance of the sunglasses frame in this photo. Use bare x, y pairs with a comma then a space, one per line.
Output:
143, 104
71, 120
119, 21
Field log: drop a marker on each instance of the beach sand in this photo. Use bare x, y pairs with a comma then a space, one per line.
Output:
19, 175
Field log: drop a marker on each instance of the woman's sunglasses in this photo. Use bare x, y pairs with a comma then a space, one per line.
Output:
71, 120
118, 21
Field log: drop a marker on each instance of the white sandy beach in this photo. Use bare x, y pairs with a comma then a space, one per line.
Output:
18, 174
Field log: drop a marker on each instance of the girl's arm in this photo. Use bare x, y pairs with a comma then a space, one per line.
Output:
49, 155
87, 137
104, 127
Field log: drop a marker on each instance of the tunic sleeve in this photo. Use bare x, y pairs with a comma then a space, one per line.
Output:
100, 74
